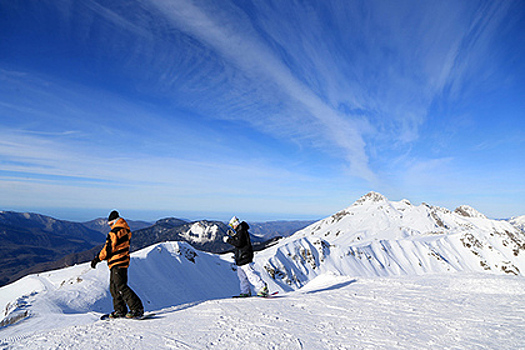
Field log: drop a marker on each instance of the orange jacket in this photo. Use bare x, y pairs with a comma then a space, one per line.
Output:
116, 250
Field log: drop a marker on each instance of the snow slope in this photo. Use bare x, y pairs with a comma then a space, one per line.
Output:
331, 312
376, 237
163, 275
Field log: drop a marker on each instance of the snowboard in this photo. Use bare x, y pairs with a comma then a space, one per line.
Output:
143, 317
257, 296
269, 295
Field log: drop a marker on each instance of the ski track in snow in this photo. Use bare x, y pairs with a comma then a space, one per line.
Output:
332, 312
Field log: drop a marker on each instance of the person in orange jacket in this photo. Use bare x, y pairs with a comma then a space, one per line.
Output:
116, 252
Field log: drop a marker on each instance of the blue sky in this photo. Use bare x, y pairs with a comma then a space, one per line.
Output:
263, 109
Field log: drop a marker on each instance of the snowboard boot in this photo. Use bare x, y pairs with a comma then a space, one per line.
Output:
245, 295
263, 292
135, 314
117, 314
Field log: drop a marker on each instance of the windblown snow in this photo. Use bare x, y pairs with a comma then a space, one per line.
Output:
376, 275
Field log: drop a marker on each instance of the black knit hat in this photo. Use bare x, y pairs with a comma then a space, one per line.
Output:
113, 215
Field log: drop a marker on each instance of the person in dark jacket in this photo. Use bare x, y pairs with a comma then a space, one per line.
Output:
116, 252
240, 239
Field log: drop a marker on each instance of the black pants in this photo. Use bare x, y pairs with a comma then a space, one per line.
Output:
120, 291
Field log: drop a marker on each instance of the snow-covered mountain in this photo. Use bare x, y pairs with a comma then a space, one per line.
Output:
203, 235
361, 264
377, 237
518, 221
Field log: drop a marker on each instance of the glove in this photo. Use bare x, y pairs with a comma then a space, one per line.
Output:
94, 262
225, 239
230, 233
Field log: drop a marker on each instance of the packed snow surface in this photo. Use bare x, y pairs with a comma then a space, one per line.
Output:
331, 312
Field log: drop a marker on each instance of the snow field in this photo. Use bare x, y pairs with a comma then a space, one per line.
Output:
332, 312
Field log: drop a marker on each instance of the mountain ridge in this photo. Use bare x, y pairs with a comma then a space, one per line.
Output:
375, 236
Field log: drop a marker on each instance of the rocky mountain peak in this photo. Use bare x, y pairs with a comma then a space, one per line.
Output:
469, 212
371, 197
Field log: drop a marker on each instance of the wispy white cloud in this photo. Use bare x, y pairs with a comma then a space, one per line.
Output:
465, 55
387, 64
345, 77
241, 45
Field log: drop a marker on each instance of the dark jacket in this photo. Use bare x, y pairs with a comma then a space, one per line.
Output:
243, 246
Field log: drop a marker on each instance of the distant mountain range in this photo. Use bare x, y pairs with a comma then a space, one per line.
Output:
32, 243
274, 229
101, 225
29, 239
206, 235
